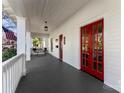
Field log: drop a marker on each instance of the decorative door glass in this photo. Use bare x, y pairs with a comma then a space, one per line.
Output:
85, 47
100, 47
92, 48
97, 38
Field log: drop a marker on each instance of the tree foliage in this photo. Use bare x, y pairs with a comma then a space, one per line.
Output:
10, 52
36, 41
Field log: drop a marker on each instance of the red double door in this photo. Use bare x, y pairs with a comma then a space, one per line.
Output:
92, 50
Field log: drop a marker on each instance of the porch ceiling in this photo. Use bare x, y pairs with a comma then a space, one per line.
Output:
53, 11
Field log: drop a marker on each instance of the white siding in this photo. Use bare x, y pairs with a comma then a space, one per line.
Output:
94, 10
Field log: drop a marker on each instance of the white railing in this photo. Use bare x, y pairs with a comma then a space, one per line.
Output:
12, 72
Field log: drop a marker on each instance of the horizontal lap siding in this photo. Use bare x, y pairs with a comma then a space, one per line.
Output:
94, 10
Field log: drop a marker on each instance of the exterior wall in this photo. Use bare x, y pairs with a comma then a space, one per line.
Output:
94, 10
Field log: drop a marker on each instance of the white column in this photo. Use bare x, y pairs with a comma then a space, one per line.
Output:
44, 45
45, 42
28, 46
21, 39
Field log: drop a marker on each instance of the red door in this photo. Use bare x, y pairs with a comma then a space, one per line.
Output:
92, 57
60, 47
86, 49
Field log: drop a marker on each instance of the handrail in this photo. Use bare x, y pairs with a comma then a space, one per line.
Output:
12, 72
13, 59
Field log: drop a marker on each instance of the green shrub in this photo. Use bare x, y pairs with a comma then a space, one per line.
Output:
8, 54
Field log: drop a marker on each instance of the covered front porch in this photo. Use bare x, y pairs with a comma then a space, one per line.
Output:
80, 36
47, 74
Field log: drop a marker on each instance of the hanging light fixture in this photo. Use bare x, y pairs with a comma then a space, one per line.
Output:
43, 11
45, 27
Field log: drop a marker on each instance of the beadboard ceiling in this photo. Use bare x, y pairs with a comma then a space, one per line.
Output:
55, 12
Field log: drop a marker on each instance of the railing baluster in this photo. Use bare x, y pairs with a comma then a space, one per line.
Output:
12, 77
19, 67
15, 73
12, 72
8, 78
5, 82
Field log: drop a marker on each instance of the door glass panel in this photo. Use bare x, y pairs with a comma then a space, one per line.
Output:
86, 36
100, 27
99, 57
94, 38
94, 65
94, 27
84, 55
94, 42
94, 56
83, 61
83, 47
100, 41
82, 39
100, 67
86, 47
86, 39
87, 56
86, 62
83, 36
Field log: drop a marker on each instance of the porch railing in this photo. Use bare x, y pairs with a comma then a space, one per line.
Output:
12, 72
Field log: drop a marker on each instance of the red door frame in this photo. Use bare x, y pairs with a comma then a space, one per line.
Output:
90, 71
61, 47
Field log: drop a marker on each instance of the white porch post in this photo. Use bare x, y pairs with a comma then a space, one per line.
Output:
45, 42
28, 46
21, 40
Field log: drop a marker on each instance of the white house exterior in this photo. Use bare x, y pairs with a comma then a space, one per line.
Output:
93, 10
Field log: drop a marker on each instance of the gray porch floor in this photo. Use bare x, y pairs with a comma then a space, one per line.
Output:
47, 74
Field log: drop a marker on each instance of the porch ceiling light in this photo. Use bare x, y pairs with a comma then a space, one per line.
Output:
46, 27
